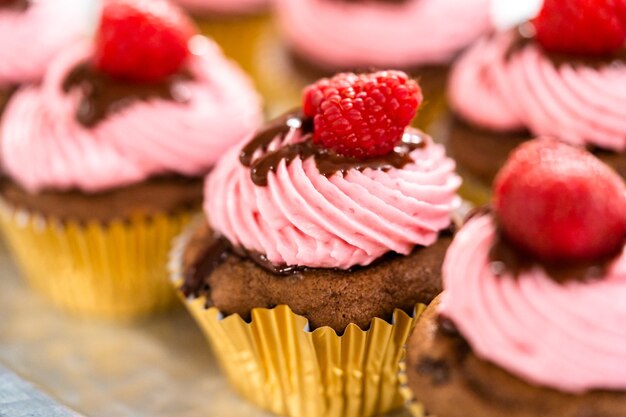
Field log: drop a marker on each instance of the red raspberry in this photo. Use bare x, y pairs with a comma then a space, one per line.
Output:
364, 115
142, 40
560, 203
582, 27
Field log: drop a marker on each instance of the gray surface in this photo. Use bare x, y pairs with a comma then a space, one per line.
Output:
159, 367
20, 399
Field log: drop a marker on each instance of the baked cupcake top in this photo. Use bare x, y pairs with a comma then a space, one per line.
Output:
561, 75
33, 32
537, 286
339, 34
119, 110
236, 7
339, 183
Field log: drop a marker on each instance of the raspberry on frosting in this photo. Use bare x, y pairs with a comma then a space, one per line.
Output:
142, 40
362, 115
559, 203
582, 27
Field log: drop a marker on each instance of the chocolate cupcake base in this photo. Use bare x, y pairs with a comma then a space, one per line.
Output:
276, 359
99, 255
481, 153
326, 297
5, 95
449, 380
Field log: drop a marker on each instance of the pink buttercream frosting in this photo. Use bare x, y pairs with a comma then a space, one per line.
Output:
570, 336
224, 6
526, 90
337, 34
45, 147
307, 219
30, 39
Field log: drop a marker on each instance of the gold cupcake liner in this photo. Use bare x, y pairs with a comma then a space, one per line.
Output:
238, 36
278, 364
416, 409
115, 270
473, 189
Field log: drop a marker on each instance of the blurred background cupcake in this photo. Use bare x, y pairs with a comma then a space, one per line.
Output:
530, 320
32, 33
236, 25
321, 37
104, 159
559, 75
323, 238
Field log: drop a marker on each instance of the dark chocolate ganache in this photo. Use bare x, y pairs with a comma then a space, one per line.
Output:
506, 257
525, 35
18, 5
102, 95
5, 95
327, 161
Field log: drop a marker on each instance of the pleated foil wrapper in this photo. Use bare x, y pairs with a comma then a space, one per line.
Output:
115, 270
416, 409
276, 362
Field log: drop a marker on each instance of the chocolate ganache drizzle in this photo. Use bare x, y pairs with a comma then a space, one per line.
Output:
103, 95
18, 5
506, 257
327, 161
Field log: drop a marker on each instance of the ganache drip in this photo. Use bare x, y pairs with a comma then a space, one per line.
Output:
525, 35
102, 95
505, 257
327, 161
17, 5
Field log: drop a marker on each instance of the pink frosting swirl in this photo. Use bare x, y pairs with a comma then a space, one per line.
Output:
304, 218
337, 34
224, 6
526, 90
31, 38
570, 337
44, 146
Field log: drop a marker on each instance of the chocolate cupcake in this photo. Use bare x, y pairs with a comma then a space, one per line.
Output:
104, 160
512, 334
32, 33
322, 37
546, 77
320, 245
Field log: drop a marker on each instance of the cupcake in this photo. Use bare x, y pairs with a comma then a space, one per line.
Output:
559, 75
419, 36
236, 25
32, 33
322, 240
104, 160
530, 322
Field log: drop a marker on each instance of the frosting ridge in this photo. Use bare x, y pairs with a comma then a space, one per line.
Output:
348, 35
503, 88
32, 37
304, 218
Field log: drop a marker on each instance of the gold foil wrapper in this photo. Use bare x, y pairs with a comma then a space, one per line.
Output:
115, 270
416, 409
278, 364
238, 36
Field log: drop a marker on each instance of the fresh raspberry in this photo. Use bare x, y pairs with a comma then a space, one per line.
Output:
582, 27
142, 40
363, 115
560, 203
